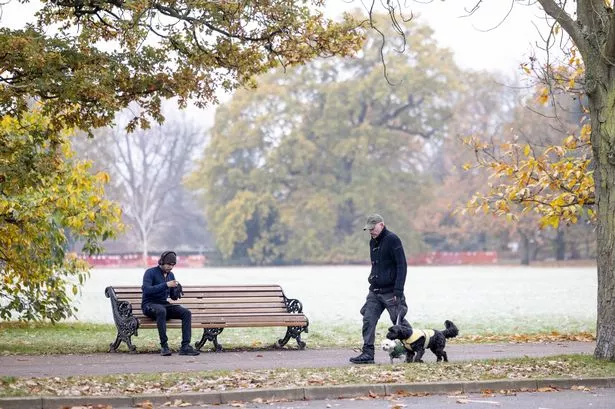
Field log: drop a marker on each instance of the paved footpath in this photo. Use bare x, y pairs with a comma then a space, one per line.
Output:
121, 363
299, 397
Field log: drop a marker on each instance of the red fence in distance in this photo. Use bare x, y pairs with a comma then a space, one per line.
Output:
136, 261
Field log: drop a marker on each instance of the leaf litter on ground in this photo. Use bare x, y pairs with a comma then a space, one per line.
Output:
568, 366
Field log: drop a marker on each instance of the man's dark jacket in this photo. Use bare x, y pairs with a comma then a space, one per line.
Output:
388, 263
155, 289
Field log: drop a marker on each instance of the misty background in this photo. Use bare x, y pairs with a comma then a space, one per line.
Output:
285, 173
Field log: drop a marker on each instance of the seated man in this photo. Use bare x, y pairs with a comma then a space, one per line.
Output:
158, 284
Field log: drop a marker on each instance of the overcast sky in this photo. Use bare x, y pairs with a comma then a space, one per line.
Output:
488, 39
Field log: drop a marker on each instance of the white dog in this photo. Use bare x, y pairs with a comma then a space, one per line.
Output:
393, 347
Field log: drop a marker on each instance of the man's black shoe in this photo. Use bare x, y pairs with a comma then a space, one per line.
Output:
364, 358
165, 351
188, 350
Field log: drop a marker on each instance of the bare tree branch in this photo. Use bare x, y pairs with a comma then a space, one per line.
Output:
568, 24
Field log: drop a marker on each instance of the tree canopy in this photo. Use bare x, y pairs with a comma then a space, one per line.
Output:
90, 59
82, 62
293, 166
45, 197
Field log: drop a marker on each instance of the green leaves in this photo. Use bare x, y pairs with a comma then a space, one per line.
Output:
294, 166
108, 54
45, 196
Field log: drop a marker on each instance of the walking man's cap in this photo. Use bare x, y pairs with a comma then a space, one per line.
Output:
372, 221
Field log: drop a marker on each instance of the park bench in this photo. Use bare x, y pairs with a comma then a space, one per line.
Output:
213, 309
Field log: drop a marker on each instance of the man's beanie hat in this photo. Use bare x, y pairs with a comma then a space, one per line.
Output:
372, 221
168, 257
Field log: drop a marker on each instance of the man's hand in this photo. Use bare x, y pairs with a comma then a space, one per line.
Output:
172, 283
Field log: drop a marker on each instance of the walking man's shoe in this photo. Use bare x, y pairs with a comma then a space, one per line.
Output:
188, 350
165, 351
364, 358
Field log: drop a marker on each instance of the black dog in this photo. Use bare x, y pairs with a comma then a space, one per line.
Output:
417, 340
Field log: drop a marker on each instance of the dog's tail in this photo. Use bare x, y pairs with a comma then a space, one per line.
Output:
451, 330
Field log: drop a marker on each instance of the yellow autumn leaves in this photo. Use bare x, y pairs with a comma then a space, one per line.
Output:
47, 199
555, 182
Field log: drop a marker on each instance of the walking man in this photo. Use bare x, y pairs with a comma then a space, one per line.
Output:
158, 285
386, 284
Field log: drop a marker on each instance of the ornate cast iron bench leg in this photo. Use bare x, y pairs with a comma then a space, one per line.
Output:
210, 334
127, 325
292, 332
118, 340
293, 306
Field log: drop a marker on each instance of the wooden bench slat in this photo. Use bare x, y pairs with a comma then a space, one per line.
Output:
227, 316
244, 305
231, 319
222, 311
212, 300
240, 324
210, 294
212, 288
178, 324
232, 324
217, 306
202, 312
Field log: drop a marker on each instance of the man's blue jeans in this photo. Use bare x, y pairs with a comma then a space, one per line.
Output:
163, 312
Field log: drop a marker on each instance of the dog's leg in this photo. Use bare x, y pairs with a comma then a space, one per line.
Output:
444, 356
409, 356
419, 354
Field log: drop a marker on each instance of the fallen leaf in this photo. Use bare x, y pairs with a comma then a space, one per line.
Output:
488, 402
580, 388
508, 392
145, 405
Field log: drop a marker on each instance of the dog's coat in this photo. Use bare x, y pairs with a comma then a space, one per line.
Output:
415, 341
417, 334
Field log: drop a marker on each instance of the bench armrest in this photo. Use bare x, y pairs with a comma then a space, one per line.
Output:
122, 312
293, 305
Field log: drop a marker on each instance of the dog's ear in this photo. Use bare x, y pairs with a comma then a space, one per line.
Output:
393, 332
405, 332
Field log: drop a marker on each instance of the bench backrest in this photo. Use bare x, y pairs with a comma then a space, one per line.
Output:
218, 300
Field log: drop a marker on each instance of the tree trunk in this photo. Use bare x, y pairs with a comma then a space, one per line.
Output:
144, 249
601, 101
525, 249
560, 245
592, 33
575, 252
534, 249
